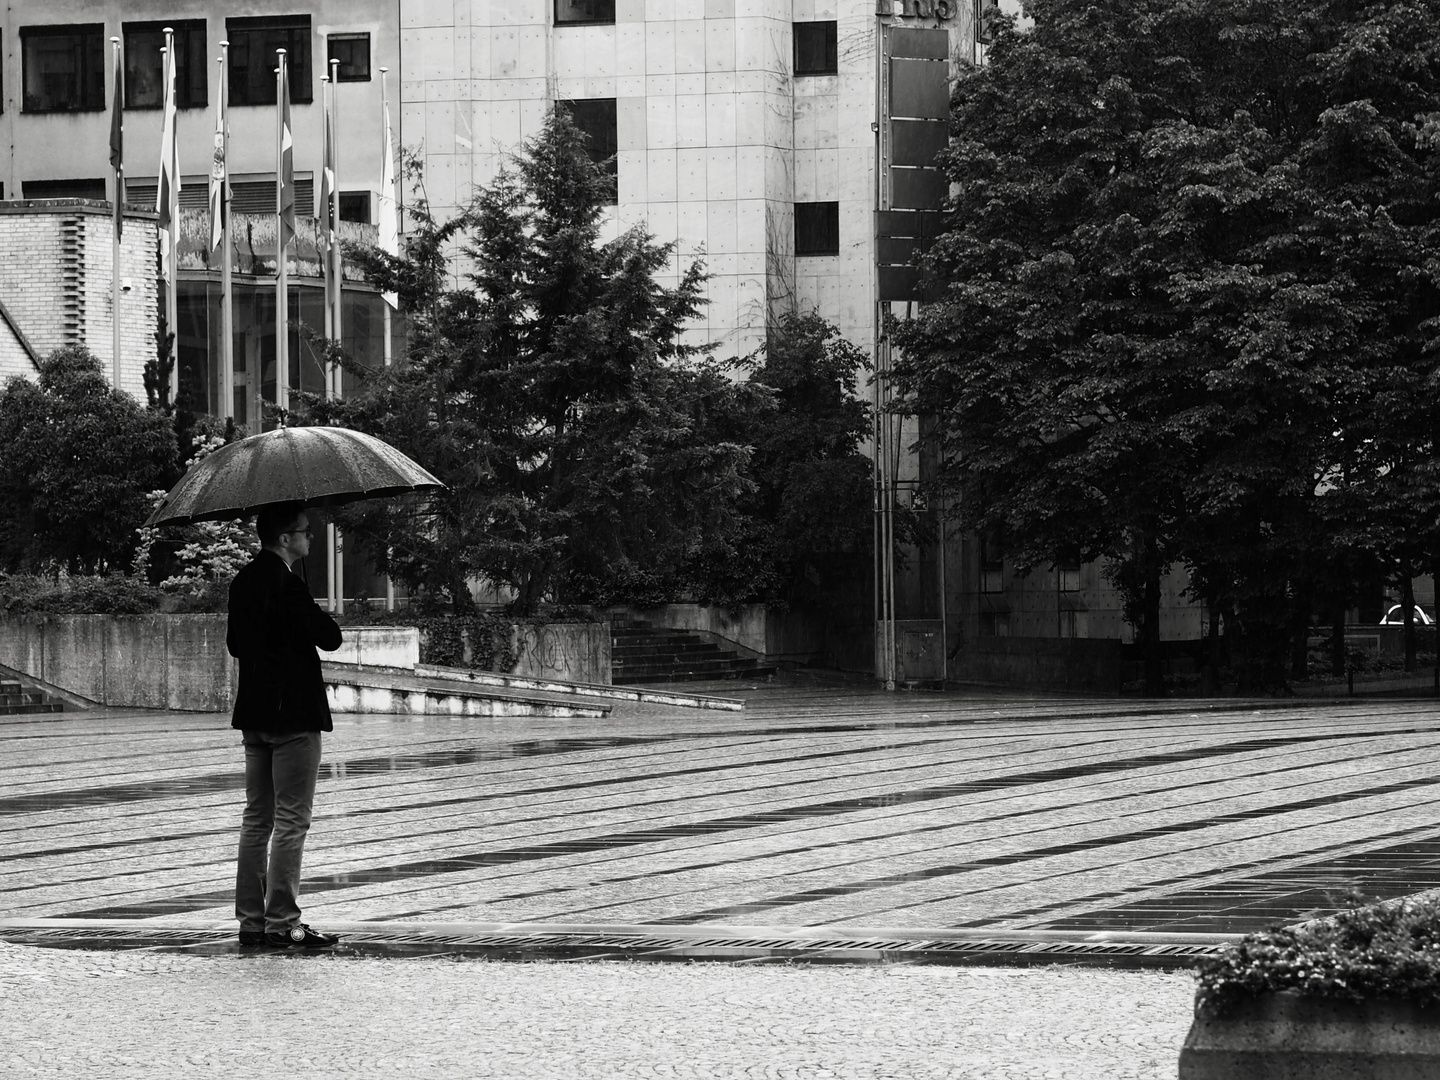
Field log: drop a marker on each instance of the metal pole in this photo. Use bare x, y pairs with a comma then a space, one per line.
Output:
115, 229
337, 267
282, 298
337, 543
227, 310
172, 316
386, 205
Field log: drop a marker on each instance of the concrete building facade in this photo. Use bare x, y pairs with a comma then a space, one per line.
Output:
728, 118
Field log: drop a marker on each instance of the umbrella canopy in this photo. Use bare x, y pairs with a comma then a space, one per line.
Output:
314, 465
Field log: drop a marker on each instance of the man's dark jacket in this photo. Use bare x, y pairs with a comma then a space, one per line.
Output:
275, 627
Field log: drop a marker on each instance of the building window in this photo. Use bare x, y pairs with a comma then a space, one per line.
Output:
994, 624
64, 189
992, 565
353, 52
253, 41
815, 49
1067, 577
64, 67
355, 206
817, 228
578, 12
595, 117
144, 76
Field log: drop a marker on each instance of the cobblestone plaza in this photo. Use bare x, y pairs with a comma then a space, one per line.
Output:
818, 806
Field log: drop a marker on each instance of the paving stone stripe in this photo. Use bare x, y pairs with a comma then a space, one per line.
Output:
815, 805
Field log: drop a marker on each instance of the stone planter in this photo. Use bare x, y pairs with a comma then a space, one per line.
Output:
1284, 1036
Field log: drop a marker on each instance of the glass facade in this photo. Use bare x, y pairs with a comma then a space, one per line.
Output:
200, 357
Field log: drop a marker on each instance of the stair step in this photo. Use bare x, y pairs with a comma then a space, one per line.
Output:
16, 697
718, 670
637, 640
704, 649
693, 676
28, 710
645, 654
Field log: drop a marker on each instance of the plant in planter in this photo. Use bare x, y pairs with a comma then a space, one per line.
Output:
1356, 995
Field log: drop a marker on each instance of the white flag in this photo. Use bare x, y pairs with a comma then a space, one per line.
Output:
389, 224
167, 194
217, 167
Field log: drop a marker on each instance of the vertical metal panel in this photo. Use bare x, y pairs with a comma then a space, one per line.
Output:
919, 43
916, 142
919, 88
918, 189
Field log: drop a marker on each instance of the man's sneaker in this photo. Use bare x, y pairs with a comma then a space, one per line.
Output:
301, 936
252, 939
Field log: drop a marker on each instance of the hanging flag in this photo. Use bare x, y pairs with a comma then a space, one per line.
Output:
117, 147
389, 218
286, 207
328, 238
217, 167
167, 195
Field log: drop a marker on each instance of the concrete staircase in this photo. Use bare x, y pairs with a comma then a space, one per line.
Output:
640, 654
17, 699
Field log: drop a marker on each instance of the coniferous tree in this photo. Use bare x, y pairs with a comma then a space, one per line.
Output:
553, 391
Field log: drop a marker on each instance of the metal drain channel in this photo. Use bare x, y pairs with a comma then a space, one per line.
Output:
392, 941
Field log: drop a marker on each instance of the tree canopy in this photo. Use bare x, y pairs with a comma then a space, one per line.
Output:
1188, 293
77, 459
554, 393
593, 452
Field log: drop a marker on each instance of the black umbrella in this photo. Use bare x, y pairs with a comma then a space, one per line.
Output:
322, 466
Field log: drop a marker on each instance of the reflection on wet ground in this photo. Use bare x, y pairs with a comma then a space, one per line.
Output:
816, 806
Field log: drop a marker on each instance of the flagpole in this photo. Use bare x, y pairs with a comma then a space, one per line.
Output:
337, 545
227, 311
337, 266
386, 205
282, 313
327, 173
118, 160
322, 230
173, 233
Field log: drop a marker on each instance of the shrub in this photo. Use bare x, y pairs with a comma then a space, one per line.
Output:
1389, 950
111, 594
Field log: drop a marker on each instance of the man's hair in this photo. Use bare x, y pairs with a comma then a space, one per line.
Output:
276, 518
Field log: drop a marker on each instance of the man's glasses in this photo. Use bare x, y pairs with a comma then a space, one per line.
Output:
307, 533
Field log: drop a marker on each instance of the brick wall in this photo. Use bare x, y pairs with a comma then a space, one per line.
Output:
56, 268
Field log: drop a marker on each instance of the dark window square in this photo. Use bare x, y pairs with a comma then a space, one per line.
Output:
63, 67
144, 78
253, 41
64, 189
817, 228
353, 52
355, 206
815, 49
595, 117
579, 12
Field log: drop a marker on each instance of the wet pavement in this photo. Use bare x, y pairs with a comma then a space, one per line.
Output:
816, 806
828, 811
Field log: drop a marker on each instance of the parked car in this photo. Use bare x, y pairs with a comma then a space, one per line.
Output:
1396, 617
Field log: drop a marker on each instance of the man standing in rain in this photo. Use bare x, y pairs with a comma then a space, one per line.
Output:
275, 626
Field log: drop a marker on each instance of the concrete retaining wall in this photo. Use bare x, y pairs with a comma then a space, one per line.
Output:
145, 661
378, 646
180, 662
1079, 664
572, 652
